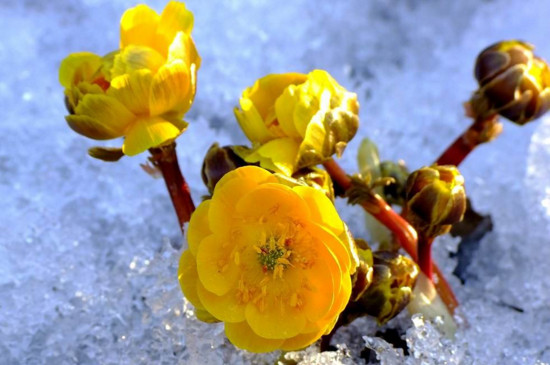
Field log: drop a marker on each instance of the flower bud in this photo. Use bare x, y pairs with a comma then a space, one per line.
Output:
435, 199
394, 192
218, 162
513, 82
392, 284
316, 178
362, 278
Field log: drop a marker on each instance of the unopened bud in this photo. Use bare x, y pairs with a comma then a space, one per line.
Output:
393, 281
513, 82
218, 162
316, 178
394, 192
435, 199
362, 278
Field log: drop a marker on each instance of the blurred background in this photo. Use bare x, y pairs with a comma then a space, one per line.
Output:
89, 250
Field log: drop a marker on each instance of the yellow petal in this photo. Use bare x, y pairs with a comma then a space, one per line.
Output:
334, 244
90, 127
222, 206
284, 109
307, 106
188, 278
175, 18
205, 316
349, 243
254, 174
241, 335
232, 187
317, 145
341, 300
272, 202
277, 320
138, 26
183, 48
132, 90
99, 116
84, 88
325, 81
278, 155
199, 226
78, 67
225, 307
75, 94
340, 273
217, 269
171, 89
322, 209
147, 133
302, 340
251, 122
322, 286
133, 58
266, 90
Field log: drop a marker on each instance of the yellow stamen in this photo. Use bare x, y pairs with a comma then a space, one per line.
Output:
278, 271
293, 300
283, 261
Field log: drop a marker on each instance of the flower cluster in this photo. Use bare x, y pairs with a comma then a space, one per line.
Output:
267, 253
140, 91
272, 262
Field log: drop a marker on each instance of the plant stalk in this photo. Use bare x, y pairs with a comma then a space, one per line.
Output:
166, 160
482, 130
403, 231
425, 255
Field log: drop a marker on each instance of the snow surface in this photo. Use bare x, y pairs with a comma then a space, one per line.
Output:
89, 250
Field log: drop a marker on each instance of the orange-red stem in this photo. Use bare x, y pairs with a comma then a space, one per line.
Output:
166, 160
403, 231
457, 151
482, 130
425, 255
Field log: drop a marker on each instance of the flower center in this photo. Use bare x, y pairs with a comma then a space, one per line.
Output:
269, 258
273, 254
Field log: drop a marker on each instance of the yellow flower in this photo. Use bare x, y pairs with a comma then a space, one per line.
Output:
143, 90
272, 262
296, 120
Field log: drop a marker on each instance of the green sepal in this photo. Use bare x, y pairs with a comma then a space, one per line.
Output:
108, 154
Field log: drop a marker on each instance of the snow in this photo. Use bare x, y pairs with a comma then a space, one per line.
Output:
89, 250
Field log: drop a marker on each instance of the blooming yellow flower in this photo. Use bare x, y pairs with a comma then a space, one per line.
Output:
296, 120
272, 262
143, 90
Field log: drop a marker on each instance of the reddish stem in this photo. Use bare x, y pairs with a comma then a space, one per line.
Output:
425, 255
166, 160
456, 152
403, 231
482, 130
